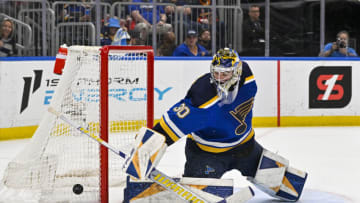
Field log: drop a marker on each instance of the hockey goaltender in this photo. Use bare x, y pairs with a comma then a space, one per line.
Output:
216, 117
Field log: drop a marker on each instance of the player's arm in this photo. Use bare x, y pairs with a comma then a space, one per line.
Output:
150, 145
179, 110
160, 130
163, 128
186, 116
180, 120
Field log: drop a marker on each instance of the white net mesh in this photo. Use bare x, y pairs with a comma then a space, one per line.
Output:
58, 156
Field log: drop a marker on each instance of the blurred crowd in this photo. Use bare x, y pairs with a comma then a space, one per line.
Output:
131, 24
136, 28
181, 28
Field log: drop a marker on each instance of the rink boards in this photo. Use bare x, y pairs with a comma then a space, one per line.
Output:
291, 91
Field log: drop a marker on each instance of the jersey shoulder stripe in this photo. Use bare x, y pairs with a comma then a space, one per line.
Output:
174, 132
168, 130
209, 103
249, 79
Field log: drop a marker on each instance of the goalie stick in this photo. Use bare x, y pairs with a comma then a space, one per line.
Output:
157, 176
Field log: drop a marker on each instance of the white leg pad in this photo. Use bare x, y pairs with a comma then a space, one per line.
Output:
270, 172
245, 194
292, 184
276, 178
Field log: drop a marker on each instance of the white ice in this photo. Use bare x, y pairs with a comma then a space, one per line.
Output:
330, 155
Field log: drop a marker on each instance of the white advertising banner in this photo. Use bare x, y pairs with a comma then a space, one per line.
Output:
26, 87
307, 87
265, 73
176, 76
320, 88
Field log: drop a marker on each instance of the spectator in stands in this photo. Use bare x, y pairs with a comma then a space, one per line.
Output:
143, 13
80, 12
135, 38
167, 44
122, 37
253, 33
7, 41
143, 16
205, 39
123, 24
179, 7
204, 16
188, 19
111, 28
130, 23
339, 48
190, 47
204, 20
143, 31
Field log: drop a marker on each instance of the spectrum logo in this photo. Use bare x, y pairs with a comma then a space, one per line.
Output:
330, 87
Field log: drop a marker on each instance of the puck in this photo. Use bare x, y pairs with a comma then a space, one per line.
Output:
78, 189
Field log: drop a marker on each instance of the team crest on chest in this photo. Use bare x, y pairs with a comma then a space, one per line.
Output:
240, 113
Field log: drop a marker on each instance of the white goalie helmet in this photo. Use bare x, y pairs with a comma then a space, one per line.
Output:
225, 69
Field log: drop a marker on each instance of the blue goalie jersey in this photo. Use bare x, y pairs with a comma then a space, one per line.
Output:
216, 125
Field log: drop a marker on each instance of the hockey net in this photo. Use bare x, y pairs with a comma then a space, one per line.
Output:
107, 90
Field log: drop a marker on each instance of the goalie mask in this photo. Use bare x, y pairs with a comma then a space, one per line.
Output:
225, 70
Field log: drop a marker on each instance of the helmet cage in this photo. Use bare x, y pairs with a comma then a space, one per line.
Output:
226, 60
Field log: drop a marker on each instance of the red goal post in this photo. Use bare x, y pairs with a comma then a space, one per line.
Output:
136, 52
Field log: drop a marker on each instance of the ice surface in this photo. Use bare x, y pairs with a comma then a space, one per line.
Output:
331, 156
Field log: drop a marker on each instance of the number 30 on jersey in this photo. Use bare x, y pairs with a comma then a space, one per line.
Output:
182, 111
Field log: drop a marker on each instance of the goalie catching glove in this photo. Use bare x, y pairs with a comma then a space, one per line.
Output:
145, 154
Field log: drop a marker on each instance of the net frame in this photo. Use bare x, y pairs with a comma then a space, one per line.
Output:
42, 171
104, 106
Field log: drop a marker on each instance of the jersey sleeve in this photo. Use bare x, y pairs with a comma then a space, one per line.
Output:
180, 120
187, 115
